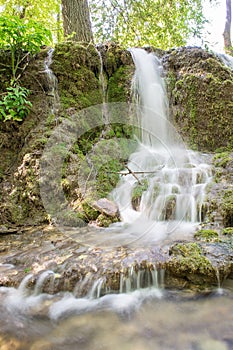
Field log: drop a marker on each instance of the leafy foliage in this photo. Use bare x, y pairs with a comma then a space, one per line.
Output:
15, 105
21, 38
45, 12
160, 23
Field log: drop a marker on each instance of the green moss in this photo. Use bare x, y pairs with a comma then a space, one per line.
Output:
118, 85
188, 258
137, 192
71, 218
222, 159
50, 120
108, 177
105, 221
201, 100
90, 212
77, 69
227, 208
228, 231
207, 236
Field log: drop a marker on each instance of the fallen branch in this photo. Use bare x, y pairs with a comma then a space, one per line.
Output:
124, 173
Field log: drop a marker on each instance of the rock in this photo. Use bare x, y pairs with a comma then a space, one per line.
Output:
107, 207
79, 255
6, 231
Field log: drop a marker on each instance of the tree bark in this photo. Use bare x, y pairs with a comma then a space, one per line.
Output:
227, 29
76, 20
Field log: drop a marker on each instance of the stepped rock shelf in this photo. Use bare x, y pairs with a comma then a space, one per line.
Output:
196, 263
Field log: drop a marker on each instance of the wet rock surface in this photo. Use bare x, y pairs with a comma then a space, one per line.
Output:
35, 250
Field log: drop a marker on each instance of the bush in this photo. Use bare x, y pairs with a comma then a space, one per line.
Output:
15, 105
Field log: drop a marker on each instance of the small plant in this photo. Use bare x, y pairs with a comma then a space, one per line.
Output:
22, 39
27, 269
15, 104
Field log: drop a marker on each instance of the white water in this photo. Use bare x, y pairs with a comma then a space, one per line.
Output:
226, 59
52, 82
142, 319
174, 178
149, 92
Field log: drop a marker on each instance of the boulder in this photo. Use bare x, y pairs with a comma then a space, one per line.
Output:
107, 207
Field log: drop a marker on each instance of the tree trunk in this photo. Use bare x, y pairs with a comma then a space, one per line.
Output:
227, 29
76, 20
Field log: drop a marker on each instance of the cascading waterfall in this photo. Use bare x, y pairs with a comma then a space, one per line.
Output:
226, 59
170, 179
149, 92
52, 82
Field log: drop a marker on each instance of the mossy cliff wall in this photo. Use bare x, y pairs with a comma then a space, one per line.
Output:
80, 85
200, 92
200, 89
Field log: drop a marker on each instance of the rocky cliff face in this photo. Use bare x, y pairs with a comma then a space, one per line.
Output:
200, 90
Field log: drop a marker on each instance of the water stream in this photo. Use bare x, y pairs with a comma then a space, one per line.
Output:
142, 319
170, 179
52, 83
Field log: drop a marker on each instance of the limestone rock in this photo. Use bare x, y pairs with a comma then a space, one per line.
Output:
107, 207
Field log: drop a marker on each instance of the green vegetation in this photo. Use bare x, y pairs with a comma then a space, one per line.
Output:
201, 100
162, 23
14, 104
45, 12
227, 208
189, 259
228, 231
207, 236
137, 192
222, 159
21, 39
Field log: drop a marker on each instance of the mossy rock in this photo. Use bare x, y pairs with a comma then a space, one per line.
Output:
105, 220
71, 218
77, 68
189, 262
119, 84
90, 212
228, 231
200, 89
137, 192
222, 159
207, 236
227, 208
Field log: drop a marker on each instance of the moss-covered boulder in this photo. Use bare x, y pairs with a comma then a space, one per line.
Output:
200, 91
188, 261
207, 235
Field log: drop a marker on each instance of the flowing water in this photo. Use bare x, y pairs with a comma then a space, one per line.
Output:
171, 180
52, 84
142, 319
143, 315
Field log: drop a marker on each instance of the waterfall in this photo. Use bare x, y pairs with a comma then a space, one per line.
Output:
149, 91
104, 90
52, 84
226, 59
166, 182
